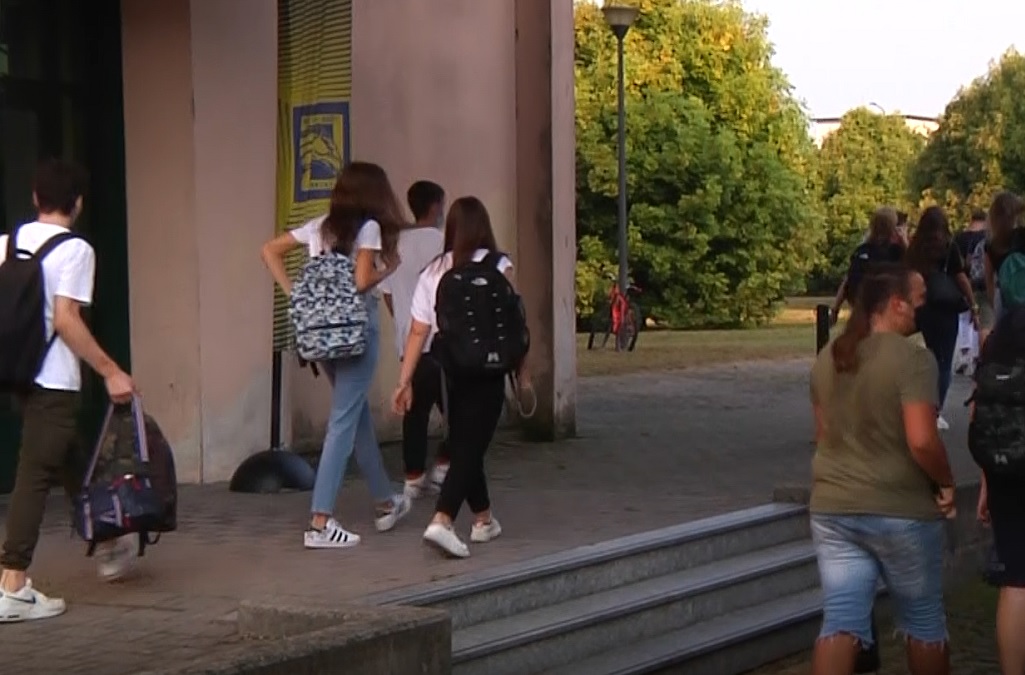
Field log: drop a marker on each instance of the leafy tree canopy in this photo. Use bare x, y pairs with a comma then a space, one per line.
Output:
864, 164
979, 147
724, 214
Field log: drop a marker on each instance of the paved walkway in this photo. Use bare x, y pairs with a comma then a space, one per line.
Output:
654, 449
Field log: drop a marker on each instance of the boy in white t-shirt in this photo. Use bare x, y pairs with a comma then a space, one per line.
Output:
419, 244
49, 408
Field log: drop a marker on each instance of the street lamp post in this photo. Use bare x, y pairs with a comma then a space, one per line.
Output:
620, 18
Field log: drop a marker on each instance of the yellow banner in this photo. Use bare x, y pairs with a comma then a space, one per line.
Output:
314, 86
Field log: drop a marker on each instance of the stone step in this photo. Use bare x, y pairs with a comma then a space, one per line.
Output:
731, 644
552, 636
549, 580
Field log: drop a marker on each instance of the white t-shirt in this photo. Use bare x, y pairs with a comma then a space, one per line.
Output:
422, 308
418, 246
68, 271
369, 237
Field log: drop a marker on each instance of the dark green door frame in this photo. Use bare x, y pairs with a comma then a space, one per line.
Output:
64, 71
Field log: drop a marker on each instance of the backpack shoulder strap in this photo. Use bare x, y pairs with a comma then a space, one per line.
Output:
492, 259
52, 243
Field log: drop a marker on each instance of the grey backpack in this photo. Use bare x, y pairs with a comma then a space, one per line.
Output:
327, 312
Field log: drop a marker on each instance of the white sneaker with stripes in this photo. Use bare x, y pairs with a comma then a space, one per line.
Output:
333, 535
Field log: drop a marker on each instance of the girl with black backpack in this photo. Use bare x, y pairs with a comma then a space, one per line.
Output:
466, 303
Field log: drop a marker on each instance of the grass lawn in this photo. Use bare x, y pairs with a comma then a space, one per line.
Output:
792, 335
971, 609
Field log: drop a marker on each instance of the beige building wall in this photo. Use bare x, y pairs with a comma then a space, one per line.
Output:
200, 121
477, 96
436, 89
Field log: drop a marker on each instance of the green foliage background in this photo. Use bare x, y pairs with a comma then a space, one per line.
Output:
731, 205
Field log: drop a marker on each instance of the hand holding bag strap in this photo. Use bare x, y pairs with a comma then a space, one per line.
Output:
104, 428
141, 442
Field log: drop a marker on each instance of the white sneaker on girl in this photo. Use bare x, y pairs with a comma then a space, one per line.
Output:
482, 533
400, 508
332, 535
445, 539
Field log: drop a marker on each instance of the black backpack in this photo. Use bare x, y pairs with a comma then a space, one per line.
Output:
862, 260
482, 327
996, 434
23, 341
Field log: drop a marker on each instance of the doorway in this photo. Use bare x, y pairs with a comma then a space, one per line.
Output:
60, 96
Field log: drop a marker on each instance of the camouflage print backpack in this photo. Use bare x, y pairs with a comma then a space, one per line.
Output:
131, 486
327, 311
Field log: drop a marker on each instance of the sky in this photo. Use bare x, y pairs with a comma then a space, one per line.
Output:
907, 56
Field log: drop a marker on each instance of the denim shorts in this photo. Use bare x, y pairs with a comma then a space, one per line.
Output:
856, 552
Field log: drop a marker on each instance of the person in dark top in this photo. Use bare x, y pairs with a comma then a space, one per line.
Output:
884, 244
971, 243
1002, 507
932, 254
1006, 236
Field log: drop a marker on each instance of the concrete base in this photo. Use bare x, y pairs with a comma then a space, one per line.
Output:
294, 640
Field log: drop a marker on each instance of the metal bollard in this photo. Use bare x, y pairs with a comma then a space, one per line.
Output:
821, 327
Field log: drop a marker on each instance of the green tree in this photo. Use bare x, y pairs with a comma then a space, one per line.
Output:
979, 147
864, 164
723, 213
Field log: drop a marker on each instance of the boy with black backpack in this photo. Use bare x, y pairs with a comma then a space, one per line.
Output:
46, 277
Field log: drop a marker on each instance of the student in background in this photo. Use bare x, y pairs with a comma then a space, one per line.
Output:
419, 244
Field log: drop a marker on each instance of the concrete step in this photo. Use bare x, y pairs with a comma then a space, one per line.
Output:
731, 644
533, 584
552, 636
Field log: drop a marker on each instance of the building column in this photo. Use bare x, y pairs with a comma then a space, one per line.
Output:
200, 99
546, 205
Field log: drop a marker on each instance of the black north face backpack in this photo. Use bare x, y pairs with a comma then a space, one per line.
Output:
996, 434
482, 327
23, 341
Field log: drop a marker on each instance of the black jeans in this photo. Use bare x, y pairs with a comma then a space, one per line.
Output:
474, 408
50, 455
939, 330
426, 385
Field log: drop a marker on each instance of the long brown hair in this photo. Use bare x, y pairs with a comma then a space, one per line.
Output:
883, 282
931, 242
362, 192
468, 228
1004, 213
882, 229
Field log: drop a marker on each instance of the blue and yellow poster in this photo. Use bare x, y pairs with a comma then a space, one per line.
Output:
314, 85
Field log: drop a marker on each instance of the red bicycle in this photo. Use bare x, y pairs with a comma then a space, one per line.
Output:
620, 317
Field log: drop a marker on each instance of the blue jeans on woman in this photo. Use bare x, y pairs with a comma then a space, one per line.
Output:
350, 427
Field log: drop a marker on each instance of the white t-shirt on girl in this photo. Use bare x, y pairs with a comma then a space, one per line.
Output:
426, 291
369, 237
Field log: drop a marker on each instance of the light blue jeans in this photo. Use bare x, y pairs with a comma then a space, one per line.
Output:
855, 551
351, 427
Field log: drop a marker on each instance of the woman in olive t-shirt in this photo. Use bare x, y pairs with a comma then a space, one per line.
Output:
881, 479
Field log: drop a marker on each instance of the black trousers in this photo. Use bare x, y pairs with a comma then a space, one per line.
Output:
426, 385
474, 409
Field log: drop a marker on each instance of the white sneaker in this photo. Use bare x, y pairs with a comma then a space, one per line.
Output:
942, 424
482, 533
332, 536
446, 540
28, 604
401, 506
117, 558
416, 487
438, 473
